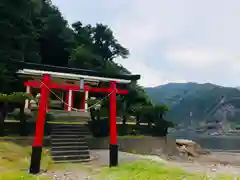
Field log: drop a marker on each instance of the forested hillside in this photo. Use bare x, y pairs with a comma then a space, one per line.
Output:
192, 101
35, 31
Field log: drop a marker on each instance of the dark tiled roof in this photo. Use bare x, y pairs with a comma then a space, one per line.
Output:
43, 67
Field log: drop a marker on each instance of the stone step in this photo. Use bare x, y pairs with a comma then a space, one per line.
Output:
71, 157
68, 140
62, 136
69, 132
70, 152
69, 126
73, 161
69, 143
70, 129
66, 119
68, 116
60, 132
70, 148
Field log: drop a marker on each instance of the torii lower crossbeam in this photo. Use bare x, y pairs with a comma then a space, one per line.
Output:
37, 84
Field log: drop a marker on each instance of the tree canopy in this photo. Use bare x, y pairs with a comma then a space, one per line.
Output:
35, 31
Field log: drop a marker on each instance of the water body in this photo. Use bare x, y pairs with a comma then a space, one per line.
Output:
213, 143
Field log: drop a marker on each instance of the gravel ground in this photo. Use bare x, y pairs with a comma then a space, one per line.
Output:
208, 168
70, 175
101, 158
210, 165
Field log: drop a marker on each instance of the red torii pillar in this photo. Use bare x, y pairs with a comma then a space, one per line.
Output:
113, 148
39, 134
38, 139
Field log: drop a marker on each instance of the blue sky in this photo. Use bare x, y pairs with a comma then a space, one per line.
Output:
170, 41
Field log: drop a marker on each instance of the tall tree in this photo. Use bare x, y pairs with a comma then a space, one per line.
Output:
97, 46
56, 38
35, 31
18, 38
106, 44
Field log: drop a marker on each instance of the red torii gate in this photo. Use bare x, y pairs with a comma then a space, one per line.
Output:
45, 87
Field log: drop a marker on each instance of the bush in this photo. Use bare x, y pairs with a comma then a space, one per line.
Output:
14, 97
49, 117
99, 128
127, 129
161, 128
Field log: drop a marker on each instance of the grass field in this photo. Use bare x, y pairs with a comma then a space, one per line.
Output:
14, 162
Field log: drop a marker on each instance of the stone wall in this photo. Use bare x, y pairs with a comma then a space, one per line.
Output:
139, 145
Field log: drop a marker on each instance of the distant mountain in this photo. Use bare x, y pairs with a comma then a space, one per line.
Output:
197, 102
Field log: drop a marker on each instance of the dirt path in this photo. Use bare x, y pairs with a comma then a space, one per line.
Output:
101, 159
215, 163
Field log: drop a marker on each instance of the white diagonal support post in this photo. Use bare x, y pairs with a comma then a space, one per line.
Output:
28, 91
70, 93
86, 100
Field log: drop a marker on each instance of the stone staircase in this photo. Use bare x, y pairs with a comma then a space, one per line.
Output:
69, 138
69, 144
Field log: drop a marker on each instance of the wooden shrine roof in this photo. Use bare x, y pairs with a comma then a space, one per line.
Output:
42, 67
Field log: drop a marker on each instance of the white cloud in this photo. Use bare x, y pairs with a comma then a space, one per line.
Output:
196, 58
174, 40
149, 77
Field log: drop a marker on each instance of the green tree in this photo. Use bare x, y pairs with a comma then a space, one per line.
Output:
18, 43
96, 48
106, 44
18, 39
56, 38
156, 114
35, 31
85, 58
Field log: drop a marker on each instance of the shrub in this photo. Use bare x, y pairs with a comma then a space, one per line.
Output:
49, 117
99, 128
161, 128
15, 97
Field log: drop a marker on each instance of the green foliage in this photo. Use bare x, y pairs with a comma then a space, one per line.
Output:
18, 39
153, 113
95, 48
14, 97
155, 117
35, 31
49, 117
99, 128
